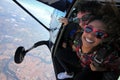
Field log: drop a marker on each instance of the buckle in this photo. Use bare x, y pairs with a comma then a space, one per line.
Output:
97, 60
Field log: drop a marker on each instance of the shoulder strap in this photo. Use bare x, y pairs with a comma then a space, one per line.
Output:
103, 52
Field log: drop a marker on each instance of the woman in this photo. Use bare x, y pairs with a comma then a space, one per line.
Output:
97, 47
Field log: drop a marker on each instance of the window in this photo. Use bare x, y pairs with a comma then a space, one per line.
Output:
18, 28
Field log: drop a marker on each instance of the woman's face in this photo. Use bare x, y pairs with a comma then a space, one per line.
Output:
92, 35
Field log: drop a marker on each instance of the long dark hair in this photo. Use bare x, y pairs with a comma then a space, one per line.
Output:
110, 16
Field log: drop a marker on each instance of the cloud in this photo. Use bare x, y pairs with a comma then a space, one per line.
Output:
1, 8
22, 18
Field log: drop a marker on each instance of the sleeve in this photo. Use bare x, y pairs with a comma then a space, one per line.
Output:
68, 29
112, 63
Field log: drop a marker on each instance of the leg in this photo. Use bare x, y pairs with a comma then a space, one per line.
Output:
57, 67
67, 58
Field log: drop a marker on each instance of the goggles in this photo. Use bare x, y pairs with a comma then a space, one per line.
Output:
100, 34
84, 18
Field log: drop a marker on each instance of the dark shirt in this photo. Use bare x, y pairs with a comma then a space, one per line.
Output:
69, 33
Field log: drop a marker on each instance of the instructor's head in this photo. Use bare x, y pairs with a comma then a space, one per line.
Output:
85, 10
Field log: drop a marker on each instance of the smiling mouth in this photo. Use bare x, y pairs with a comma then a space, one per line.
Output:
88, 40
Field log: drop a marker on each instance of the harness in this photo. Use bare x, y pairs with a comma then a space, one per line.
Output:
103, 55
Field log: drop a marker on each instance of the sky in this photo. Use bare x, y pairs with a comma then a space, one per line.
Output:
17, 28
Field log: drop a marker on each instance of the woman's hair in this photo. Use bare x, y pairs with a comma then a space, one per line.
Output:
109, 15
